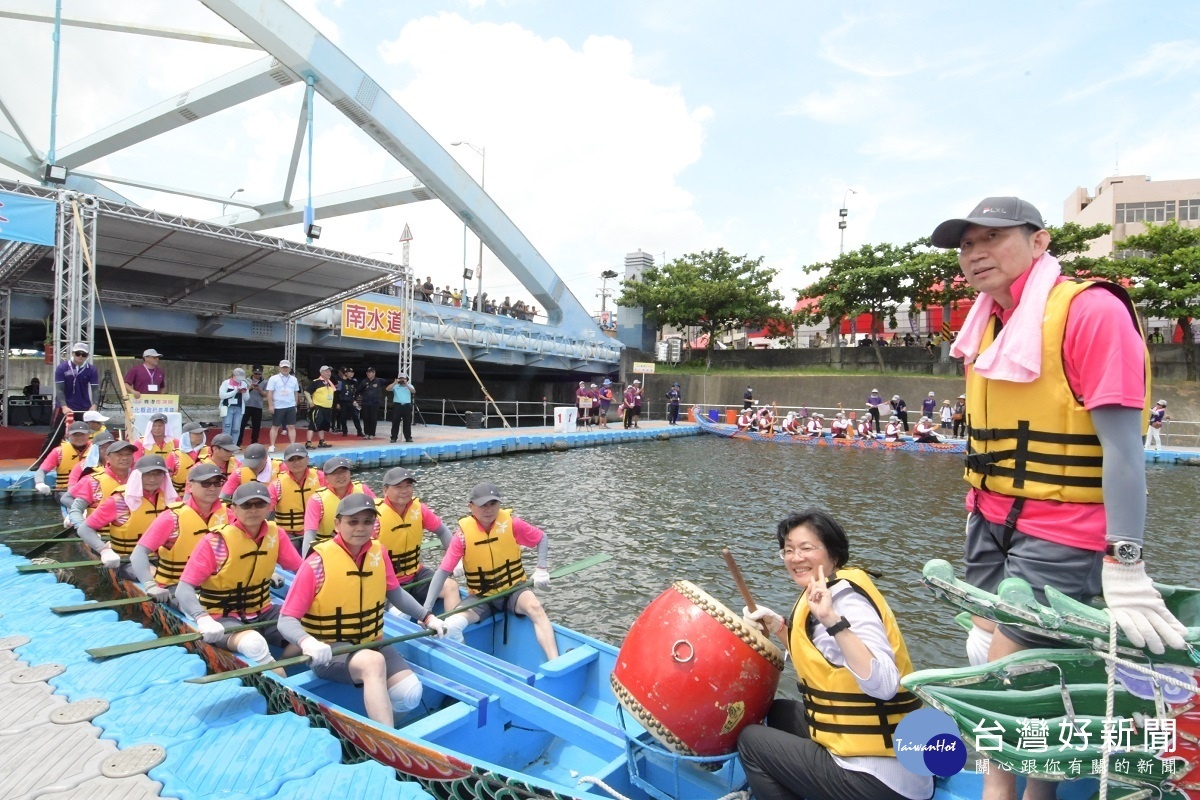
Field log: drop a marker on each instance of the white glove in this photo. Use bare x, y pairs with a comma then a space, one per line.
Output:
460, 572
276, 580
110, 559
1138, 607
436, 625
43, 488
765, 620
159, 594
541, 578
318, 651
212, 631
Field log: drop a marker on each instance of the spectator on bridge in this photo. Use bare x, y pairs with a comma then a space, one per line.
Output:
456, 298
146, 378
370, 396
506, 306
76, 389
282, 389
232, 394
254, 405
427, 290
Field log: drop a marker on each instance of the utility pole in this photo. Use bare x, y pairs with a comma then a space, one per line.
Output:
605, 292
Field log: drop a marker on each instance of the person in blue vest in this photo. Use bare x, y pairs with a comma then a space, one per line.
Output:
402, 406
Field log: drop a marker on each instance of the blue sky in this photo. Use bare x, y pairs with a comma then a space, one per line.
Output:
672, 126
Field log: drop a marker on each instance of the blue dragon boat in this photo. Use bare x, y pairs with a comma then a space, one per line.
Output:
906, 443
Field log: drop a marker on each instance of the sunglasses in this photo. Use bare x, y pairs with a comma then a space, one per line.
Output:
79, 353
255, 504
212, 483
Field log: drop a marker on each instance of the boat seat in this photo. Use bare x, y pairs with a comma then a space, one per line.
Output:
464, 694
571, 660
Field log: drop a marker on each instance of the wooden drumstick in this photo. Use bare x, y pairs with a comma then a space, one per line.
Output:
739, 580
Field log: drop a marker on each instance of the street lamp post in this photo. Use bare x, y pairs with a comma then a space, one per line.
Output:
842, 214
231, 194
605, 277
482, 151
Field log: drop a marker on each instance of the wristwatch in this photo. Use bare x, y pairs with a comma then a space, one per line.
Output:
1124, 552
838, 627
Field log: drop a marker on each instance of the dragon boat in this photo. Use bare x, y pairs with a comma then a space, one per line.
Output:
905, 444
495, 722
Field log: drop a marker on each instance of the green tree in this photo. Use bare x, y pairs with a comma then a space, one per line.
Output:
1163, 276
712, 290
874, 279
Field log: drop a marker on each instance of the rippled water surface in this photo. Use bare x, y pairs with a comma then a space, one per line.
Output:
665, 509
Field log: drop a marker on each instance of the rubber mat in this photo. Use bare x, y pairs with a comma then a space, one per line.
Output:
368, 779
71, 649
178, 712
127, 676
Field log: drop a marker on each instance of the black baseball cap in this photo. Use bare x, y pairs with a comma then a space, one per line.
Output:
79, 427
992, 212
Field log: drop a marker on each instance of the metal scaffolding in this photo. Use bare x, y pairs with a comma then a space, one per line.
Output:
5, 329
74, 301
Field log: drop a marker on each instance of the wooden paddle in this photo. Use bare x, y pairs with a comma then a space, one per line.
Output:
35, 528
98, 604
115, 650
43, 541
56, 539
561, 572
738, 579
53, 565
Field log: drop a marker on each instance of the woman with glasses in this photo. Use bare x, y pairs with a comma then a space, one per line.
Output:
836, 743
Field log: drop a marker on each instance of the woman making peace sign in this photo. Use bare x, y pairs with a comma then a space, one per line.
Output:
836, 744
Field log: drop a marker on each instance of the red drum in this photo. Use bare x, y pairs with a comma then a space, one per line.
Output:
693, 674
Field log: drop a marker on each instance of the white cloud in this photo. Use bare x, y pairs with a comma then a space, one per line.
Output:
928, 146
843, 103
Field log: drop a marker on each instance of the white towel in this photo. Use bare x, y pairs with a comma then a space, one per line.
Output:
1016, 354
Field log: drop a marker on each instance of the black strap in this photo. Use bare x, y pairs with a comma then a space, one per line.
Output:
1049, 437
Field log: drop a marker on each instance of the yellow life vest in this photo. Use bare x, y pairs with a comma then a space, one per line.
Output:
492, 559
184, 461
350, 603
246, 475
68, 457
226, 469
189, 530
840, 716
242, 585
329, 504
401, 536
123, 538
165, 449
98, 431
323, 396
293, 498
1036, 439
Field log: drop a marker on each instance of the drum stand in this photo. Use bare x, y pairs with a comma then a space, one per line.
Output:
677, 777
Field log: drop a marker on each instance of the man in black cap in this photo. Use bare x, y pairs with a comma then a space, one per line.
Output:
294, 484
221, 451
1057, 391
256, 466
228, 577
348, 403
175, 533
370, 396
127, 512
93, 489
321, 511
488, 542
339, 597
674, 395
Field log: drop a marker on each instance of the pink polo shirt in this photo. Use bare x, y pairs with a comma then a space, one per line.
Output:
315, 509
210, 555
1117, 379
165, 529
311, 576
525, 534
113, 510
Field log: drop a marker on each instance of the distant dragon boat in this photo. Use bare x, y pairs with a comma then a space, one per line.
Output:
905, 444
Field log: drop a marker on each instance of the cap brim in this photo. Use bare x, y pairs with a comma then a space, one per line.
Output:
949, 234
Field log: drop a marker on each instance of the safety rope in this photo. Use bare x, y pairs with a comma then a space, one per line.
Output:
1109, 696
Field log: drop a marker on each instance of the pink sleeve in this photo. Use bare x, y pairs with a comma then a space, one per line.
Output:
105, 513
313, 511
52, 460
202, 563
429, 520
76, 474
172, 461
302, 591
273, 488
526, 534
392, 582
159, 531
367, 491
232, 483
83, 489
454, 552
289, 557
139, 449
1105, 363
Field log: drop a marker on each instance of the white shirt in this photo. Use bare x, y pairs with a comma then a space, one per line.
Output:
882, 682
283, 389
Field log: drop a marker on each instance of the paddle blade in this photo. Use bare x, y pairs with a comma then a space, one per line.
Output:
120, 601
112, 651
581, 564
53, 565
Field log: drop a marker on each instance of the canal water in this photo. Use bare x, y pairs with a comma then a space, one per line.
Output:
665, 509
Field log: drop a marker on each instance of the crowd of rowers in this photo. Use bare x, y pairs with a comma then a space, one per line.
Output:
207, 528
765, 419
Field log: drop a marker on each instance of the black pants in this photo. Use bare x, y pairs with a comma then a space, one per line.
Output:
672, 413
347, 413
402, 412
959, 425
782, 763
903, 415
252, 419
370, 418
875, 418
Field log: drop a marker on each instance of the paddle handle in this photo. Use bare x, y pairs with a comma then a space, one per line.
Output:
738, 579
